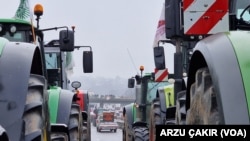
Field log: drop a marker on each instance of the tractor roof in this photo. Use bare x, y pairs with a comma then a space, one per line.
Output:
13, 20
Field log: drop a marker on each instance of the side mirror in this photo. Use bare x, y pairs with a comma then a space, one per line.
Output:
159, 58
87, 62
131, 83
66, 39
76, 84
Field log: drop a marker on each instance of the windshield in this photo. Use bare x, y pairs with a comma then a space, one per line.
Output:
152, 88
240, 6
17, 36
52, 60
53, 66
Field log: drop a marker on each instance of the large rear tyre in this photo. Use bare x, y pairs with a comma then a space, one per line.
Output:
89, 128
203, 104
59, 137
86, 129
141, 133
180, 117
36, 110
75, 123
155, 118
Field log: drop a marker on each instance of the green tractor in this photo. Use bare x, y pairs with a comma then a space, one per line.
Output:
63, 101
136, 115
24, 99
213, 51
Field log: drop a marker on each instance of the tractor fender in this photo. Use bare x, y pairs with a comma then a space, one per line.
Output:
64, 106
86, 102
17, 62
60, 102
129, 111
83, 100
218, 54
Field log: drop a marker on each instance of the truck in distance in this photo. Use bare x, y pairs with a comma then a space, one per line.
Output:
106, 121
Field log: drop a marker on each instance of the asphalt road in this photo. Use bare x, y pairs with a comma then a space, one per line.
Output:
105, 135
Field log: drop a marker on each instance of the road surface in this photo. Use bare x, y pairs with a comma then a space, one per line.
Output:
105, 135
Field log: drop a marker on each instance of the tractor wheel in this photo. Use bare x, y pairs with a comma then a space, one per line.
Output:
89, 127
155, 118
203, 103
75, 123
59, 137
181, 108
86, 129
127, 132
141, 134
36, 111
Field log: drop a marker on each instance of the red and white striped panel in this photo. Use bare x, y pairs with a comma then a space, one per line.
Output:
205, 16
161, 75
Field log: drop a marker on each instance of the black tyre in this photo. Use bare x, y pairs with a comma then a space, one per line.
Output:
141, 133
59, 137
36, 110
155, 117
86, 129
203, 105
89, 128
181, 108
75, 123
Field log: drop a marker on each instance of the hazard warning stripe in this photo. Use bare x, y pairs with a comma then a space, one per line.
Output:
221, 5
187, 3
161, 75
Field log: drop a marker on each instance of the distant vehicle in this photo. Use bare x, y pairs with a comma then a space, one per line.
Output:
106, 121
97, 112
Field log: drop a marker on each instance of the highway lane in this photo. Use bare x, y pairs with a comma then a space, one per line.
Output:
105, 135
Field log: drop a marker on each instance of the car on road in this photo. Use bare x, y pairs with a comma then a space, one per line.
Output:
107, 122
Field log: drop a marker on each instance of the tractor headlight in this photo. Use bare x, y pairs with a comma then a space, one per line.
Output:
12, 29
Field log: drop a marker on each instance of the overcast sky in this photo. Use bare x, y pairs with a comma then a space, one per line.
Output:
121, 32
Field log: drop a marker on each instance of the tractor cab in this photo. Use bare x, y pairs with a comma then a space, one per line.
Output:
56, 61
145, 90
16, 30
